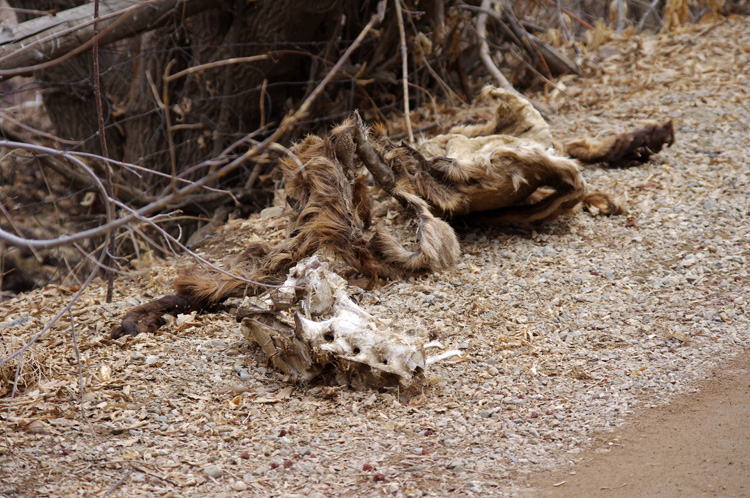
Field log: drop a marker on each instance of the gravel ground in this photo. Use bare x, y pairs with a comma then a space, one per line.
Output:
568, 328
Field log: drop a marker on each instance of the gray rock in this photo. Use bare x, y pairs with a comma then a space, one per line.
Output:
214, 471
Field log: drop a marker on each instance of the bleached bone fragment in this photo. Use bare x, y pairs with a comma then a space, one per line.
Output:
354, 335
361, 349
311, 281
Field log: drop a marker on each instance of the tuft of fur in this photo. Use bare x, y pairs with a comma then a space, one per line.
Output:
625, 148
149, 317
603, 203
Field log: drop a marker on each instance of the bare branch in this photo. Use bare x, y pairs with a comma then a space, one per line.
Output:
484, 49
404, 69
46, 41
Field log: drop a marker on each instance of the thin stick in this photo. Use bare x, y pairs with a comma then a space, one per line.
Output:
286, 124
103, 139
289, 121
651, 8
117, 484
49, 325
404, 70
484, 49
561, 20
620, 15
80, 374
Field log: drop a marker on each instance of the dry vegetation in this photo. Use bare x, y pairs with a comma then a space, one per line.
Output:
567, 327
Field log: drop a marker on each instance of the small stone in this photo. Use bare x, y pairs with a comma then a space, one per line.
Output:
239, 486
463, 345
367, 467
392, 488
245, 375
305, 451
138, 477
151, 359
452, 442
214, 471
36, 427
378, 477
493, 371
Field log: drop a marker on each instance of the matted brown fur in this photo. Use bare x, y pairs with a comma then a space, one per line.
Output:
625, 148
501, 171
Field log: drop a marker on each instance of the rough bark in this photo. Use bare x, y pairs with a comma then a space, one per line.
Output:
217, 105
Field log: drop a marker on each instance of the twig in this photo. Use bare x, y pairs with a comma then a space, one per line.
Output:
399, 136
211, 65
620, 15
404, 69
484, 49
117, 484
564, 27
289, 121
613, 487
52, 322
103, 139
34, 131
229, 42
80, 373
651, 8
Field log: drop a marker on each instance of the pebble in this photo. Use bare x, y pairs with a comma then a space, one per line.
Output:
245, 375
239, 486
214, 471
151, 359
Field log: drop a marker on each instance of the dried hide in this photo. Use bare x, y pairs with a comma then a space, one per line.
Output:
504, 170
347, 343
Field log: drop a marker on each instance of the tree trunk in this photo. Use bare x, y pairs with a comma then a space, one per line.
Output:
208, 109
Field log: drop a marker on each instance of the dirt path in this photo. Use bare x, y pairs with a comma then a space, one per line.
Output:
698, 445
